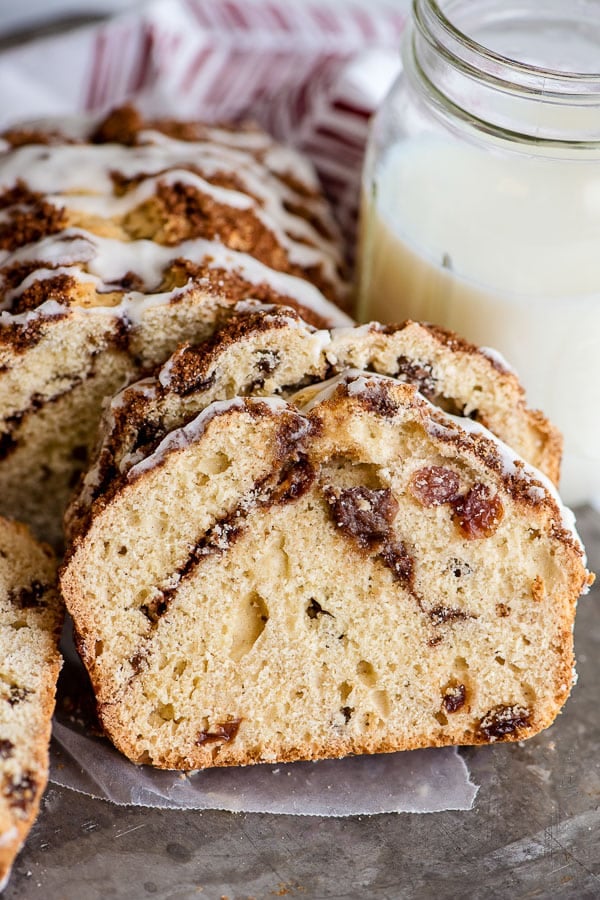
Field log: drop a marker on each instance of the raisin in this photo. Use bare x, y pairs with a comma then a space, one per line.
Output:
295, 482
6, 748
454, 697
503, 720
478, 513
434, 485
224, 731
364, 513
376, 397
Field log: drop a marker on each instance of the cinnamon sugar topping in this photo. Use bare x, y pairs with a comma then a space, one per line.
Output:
29, 217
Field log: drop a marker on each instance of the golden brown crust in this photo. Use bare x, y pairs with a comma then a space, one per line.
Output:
224, 755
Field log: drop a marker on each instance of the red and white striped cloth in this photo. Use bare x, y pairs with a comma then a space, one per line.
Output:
310, 72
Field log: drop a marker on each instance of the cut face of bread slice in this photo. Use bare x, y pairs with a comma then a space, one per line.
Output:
30, 623
111, 254
272, 351
352, 573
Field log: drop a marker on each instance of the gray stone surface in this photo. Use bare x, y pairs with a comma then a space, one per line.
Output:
534, 831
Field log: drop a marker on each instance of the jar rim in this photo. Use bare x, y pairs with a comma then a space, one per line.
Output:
431, 18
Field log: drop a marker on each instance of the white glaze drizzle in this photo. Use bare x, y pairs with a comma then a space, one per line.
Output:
61, 172
351, 331
50, 309
107, 206
109, 260
308, 397
166, 371
84, 167
73, 245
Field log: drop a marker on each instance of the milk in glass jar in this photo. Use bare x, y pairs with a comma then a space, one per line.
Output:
481, 199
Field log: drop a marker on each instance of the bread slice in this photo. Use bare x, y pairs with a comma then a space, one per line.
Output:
273, 351
31, 619
354, 571
119, 241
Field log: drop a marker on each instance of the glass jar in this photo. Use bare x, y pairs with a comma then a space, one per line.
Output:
481, 199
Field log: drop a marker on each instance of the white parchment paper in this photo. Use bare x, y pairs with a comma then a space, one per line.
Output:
416, 781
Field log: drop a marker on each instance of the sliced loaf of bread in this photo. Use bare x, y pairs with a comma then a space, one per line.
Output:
118, 240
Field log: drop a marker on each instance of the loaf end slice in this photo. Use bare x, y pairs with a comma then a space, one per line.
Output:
31, 615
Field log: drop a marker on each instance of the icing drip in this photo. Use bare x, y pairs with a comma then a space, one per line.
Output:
497, 359
48, 310
88, 167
